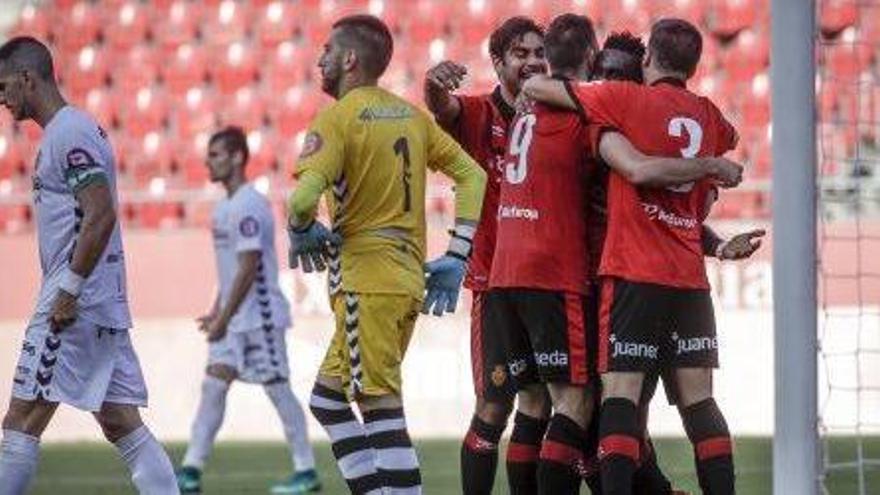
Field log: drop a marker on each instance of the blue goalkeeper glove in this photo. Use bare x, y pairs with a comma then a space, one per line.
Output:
310, 245
445, 275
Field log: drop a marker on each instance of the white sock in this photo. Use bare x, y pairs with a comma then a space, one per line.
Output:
151, 470
396, 458
209, 417
19, 453
293, 419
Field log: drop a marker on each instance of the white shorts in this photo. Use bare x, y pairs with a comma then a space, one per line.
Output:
84, 366
259, 356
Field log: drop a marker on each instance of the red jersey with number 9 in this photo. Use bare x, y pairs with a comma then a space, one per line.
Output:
542, 214
654, 234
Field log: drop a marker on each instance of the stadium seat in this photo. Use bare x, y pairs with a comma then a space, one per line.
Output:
836, 15
287, 66
89, 70
77, 27
135, 68
756, 107
158, 214
245, 109
186, 69
728, 17
476, 24
846, 57
194, 113
33, 21
11, 158
263, 147
746, 56
626, 15
99, 103
198, 213
190, 159
226, 23
234, 67
143, 112
177, 24
126, 25
691, 10
14, 218
295, 111
275, 24
426, 21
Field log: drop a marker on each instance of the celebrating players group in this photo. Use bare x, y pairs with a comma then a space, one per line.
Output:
582, 185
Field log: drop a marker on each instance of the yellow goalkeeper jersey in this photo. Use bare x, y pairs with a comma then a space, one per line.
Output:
373, 149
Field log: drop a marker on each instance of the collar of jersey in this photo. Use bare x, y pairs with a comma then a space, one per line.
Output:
507, 111
674, 81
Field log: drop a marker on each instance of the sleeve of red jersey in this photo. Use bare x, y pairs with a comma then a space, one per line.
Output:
602, 103
468, 125
729, 137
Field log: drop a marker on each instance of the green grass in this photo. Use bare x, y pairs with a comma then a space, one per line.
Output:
238, 468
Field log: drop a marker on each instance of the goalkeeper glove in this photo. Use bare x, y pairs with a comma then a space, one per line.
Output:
309, 246
446, 273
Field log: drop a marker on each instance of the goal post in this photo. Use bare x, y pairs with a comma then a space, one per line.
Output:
796, 458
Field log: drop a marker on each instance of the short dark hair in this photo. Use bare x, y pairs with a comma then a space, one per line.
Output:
570, 38
676, 45
370, 37
233, 139
511, 30
620, 58
27, 53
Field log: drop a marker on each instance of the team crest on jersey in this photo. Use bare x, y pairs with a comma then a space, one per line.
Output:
499, 376
312, 144
249, 227
80, 158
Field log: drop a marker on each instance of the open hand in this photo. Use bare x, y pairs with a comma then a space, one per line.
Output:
741, 246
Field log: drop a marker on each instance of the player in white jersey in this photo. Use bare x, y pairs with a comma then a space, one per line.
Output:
247, 323
76, 348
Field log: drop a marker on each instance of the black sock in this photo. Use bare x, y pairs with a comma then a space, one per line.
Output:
523, 452
561, 463
649, 479
713, 450
479, 457
618, 445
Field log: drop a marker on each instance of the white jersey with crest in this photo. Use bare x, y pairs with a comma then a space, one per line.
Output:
244, 222
73, 154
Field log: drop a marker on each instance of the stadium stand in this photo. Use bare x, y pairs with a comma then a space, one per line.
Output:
161, 74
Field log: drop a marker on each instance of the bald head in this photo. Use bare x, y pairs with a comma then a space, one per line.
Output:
24, 53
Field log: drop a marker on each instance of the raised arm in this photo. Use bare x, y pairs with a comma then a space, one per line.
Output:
440, 81
644, 170
545, 89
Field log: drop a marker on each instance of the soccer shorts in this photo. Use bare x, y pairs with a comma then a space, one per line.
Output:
370, 341
545, 334
84, 365
651, 328
259, 355
488, 356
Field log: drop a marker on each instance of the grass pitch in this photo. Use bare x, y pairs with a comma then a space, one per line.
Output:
240, 468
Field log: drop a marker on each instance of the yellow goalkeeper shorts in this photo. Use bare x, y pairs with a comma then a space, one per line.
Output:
371, 337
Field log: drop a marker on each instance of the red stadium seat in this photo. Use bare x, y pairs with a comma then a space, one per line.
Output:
235, 67
728, 17
185, 70
476, 23
14, 218
835, 15
190, 157
77, 27
294, 112
746, 56
275, 24
756, 107
149, 157
427, 20
158, 214
126, 25
194, 113
11, 156
245, 109
287, 66
263, 146
691, 10
177, 25
847, 57
198, 213
226, 23
135, 68
88, 71
143, 112
33, 21
626, 15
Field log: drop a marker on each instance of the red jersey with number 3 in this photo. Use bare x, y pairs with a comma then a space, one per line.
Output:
654, 234
542, 214
481, 129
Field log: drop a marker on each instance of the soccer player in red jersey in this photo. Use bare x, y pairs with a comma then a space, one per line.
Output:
539, 285
656, 310
480, 124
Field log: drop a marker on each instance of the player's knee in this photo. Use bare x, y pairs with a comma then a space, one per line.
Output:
494, 412
29, 417
222, 372
693, 385
117, 421
534, 402
373, 402
626, 385
572, 401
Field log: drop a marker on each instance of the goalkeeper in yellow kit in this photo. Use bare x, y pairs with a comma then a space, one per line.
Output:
371, 150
